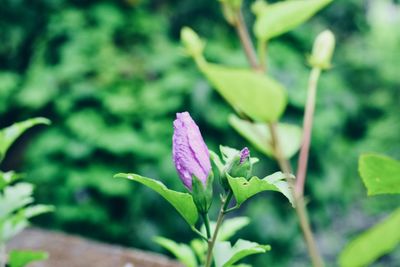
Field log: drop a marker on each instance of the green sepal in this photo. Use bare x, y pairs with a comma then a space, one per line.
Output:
182, 202
218, 169
202, 196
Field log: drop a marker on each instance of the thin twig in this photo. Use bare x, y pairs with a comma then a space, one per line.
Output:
262, 54
313, 251
307, 129
211, 243
277, 149
284, 164
246, 42
200, 234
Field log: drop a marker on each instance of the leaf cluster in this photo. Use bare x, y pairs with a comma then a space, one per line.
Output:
16, 199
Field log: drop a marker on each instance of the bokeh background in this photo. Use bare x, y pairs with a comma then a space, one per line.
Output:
111, 75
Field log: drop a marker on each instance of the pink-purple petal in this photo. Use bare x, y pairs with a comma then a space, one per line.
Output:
190, 153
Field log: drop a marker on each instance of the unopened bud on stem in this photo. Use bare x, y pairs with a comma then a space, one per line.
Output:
322, 52
193, 44
192, 160
240, 165
230, 9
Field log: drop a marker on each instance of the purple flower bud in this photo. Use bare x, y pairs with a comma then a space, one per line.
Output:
244, 154
190, 153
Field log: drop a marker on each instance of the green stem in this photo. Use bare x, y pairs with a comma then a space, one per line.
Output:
245, 40
300, 207
3, 255
232, 209
262, 54
307, 129
211, 243
313, 251
206, 221
228, 200
284, 164
199, 233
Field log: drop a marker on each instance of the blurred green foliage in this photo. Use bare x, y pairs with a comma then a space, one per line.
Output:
111, 75
16, 201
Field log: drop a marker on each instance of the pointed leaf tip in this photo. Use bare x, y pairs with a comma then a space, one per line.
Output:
9, 134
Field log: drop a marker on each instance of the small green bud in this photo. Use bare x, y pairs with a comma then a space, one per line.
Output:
230, 10
323, 48
229, 14
202, 194
192, 42
240, 165
259, 7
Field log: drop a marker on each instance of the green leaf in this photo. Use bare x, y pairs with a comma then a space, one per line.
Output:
258, 134
380, 174
11, 226
14, 198
10, 134
276, 19
15, 223
230, 226
182, 202
7, 178
33, 211
21, 258
181, 251
226, 256
256, 95
372, 244
244, 189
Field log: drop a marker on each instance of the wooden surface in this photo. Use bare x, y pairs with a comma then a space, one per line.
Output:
73, 251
